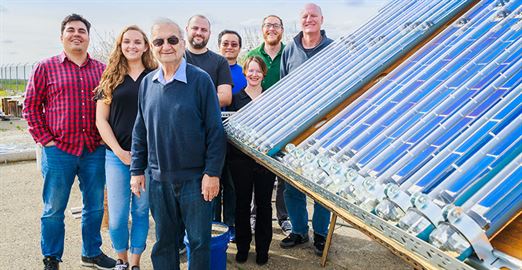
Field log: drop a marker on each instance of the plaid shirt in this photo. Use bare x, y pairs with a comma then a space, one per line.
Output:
59, 103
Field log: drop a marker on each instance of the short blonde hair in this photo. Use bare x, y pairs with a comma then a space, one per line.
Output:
259, 61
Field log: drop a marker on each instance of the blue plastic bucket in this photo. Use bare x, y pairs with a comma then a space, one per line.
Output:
218, 246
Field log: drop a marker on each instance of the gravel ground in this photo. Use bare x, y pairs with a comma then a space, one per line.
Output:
20, 208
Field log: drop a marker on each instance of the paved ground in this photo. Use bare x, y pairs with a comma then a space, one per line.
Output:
20, 208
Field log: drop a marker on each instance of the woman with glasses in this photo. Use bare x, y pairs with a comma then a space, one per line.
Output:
116, 109
249, 176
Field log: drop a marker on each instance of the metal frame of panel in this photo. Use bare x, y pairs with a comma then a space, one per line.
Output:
410, 248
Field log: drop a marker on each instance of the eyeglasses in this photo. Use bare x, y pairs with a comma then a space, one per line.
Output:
231, 44
172, 40
272, 25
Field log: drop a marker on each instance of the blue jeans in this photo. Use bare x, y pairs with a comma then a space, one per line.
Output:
296, 206
171, 204
121, 201
59, 170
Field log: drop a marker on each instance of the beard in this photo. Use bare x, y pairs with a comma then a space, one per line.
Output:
198, 45
272, 42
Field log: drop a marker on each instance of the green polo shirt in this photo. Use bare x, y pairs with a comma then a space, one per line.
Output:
273, 74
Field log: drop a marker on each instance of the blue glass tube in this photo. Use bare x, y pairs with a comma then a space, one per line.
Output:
435, 121
462, 147
501, 203
462, 183
435, 142
420, 155
489, 25
479, 110
379, 25
490, 208
399, 97
444, 9
366, 150
373, 98
471, 172
475, 149
325, 99
371, 193
459, 150
434, 171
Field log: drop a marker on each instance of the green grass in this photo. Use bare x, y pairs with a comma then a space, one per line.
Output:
12, 87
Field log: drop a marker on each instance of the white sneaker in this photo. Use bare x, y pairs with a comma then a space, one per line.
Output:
286, 227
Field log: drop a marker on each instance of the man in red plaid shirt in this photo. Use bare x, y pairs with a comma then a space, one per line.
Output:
60, 111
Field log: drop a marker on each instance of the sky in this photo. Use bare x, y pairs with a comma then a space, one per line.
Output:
30, 30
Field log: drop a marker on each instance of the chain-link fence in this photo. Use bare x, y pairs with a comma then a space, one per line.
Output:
13, 77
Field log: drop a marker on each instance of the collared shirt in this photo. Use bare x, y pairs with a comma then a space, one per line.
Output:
178, 133
273, 65
59, 103
180, 75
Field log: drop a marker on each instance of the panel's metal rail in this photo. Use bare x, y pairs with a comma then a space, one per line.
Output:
416, 252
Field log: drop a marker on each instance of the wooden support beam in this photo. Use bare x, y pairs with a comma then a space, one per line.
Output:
329, 237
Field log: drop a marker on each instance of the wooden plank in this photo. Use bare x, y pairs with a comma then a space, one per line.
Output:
509, 240
5, 107
11, 107
333, 221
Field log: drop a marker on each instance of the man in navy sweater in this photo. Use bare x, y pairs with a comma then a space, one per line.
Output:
179, 136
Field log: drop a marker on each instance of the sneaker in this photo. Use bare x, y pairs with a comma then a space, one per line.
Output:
232, 234
319, 242
101, 261
51, 263
182, 249
120, 265
135, 267
293, 240
286, 227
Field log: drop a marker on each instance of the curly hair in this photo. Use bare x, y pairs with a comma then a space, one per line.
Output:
118, 66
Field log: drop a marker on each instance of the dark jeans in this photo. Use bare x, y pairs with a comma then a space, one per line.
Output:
172, 204
249, 176
225, 198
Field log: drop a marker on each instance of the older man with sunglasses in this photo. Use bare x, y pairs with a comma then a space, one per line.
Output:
178, 134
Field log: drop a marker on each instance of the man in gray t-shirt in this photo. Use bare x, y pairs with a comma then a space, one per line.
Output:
197, 53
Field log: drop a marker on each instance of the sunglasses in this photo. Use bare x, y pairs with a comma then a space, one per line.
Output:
172, 40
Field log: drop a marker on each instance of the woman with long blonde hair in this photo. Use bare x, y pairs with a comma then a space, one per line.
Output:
116, 109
